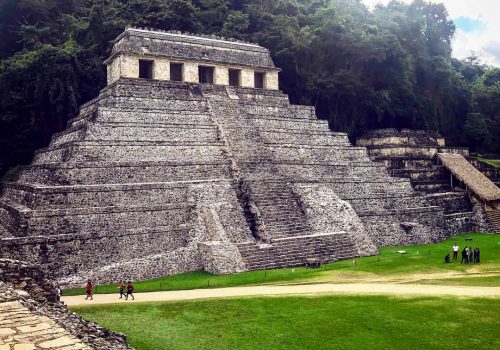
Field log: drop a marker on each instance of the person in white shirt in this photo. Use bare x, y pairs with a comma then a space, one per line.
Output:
455, 251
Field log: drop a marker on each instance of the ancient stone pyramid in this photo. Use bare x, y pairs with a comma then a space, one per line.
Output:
157, 177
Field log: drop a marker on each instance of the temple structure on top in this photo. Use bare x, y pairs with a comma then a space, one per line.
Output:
139, 53
191, 158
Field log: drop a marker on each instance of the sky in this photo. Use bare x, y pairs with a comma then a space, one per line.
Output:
478, 27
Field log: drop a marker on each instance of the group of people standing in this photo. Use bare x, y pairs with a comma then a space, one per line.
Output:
89, 289
469, 255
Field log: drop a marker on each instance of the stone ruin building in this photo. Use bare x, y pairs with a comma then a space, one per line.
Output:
450, 177
192, 158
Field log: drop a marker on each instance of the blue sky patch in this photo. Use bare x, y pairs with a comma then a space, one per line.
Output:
468, 24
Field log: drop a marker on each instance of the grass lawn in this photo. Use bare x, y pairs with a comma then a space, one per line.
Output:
418, 259
486, 281
309, 323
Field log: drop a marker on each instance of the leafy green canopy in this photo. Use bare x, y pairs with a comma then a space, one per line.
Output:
391, 67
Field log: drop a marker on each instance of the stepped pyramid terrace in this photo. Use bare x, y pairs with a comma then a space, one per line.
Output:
192, 158
450, 177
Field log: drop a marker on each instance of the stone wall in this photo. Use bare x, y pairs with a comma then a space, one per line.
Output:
163, 48
328, 213
127, 66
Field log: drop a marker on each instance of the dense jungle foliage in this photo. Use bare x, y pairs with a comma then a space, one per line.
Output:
390, 67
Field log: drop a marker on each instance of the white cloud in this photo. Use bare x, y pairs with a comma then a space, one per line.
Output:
485, 43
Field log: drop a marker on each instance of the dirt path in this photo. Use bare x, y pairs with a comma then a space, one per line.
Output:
298, 289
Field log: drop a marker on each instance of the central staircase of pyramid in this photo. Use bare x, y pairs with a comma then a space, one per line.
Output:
280, 149
157, 177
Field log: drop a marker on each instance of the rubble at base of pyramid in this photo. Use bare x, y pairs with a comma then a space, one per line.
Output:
190, 159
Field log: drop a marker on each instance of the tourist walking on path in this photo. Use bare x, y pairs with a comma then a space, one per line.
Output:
90, 291
455, 251
130, 290
122, 289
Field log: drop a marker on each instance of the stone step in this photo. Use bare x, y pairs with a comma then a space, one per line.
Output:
451, 202
123, 172
138, 132
84, 250
406, 163
118, 195
407, 226
329, 169
432, 186
304, 138
147, 103
294, 251
71, 134
4, 232
402, 211
274, 123
282, 217
494, 220
460, 222
390, 203
435, 173
291, 112
153, 117
96, 151
93, 219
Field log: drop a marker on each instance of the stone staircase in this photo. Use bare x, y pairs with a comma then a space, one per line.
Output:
279, 209
293, 251
494, 220
301, 150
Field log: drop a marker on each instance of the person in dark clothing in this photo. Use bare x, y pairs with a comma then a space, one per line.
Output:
464, 257
122, 289
447, 258
471, 255
130, 290
478, 255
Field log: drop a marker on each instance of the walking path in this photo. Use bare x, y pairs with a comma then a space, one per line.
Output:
294, 289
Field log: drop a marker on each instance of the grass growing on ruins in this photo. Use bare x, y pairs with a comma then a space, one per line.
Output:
493, 162
326, 322
419, 259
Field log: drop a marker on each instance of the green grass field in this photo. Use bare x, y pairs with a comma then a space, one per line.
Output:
326, 322
419, 259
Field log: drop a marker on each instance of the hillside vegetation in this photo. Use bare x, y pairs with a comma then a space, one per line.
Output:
390, 67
